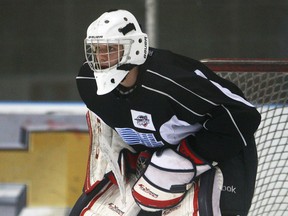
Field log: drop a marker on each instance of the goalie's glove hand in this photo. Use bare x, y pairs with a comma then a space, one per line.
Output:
133, 163
142, 163
167, 178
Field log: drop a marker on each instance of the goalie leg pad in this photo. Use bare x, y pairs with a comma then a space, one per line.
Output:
107, 202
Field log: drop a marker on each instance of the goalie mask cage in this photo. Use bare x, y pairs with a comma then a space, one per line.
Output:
265, 84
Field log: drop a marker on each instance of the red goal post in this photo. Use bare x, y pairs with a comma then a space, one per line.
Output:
265, 84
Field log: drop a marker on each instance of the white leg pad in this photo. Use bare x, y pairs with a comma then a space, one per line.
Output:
109, 202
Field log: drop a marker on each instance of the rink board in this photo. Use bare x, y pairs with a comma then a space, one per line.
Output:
53, 167
44, 146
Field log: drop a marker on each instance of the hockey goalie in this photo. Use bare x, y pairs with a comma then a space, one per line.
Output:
168, 136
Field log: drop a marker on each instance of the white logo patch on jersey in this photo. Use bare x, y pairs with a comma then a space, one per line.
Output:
142, 120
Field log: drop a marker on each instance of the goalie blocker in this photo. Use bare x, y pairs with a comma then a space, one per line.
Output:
169, 176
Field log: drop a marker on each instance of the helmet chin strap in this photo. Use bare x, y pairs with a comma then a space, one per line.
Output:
123, 79
127, 67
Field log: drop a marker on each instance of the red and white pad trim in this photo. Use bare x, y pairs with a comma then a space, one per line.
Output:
151, 198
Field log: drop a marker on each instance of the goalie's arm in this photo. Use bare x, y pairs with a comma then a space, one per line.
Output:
229, 121
226, 132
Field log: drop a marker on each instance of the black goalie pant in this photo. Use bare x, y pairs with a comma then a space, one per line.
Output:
239, 182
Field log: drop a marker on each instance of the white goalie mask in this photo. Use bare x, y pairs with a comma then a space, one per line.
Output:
113, 46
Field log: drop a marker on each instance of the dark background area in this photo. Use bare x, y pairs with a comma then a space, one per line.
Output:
42, 40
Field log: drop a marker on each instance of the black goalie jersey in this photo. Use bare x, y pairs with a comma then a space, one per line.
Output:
175, 97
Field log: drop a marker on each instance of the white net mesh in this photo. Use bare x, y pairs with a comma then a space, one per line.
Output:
269, 92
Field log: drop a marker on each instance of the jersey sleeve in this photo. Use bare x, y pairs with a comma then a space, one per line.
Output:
228, 120
226, 132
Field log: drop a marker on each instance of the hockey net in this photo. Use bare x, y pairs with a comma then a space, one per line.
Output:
265, 84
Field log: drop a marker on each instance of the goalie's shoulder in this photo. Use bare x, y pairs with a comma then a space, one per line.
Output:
86, 84
85, 72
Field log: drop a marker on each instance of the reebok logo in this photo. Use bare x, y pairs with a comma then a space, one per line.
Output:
230, 189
